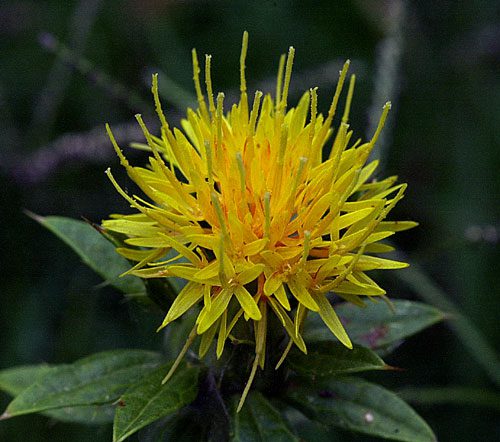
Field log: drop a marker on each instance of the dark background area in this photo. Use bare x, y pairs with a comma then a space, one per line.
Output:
67, 67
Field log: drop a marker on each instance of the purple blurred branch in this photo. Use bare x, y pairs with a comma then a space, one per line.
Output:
387, 78
96, 77
92, 147
50, 97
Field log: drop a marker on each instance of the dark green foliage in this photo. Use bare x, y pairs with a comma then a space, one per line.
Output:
363, 407
128, 383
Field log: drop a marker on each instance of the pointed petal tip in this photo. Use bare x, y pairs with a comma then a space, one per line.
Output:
34, 216
161, 327
5, 415
392, 368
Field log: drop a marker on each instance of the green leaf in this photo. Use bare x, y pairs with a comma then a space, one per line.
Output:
84, 414
464, 396
14, 380
376, 326
94, 250
309, 430
184, 426
259, 421
149, 400
96, 380
333, 358
357, 405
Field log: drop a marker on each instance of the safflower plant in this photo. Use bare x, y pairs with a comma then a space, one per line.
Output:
255, 230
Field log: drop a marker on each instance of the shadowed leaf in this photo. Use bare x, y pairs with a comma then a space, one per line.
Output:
357, 405
259, 421
332, 358
149, 400
376, 326
94, 250
96, 380
15, 380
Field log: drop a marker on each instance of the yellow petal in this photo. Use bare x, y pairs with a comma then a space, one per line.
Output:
352, 217
247, 303
207, 339
188, 296
280, 295
396, 226
288, 324
331, 319
210, 271
272, 283
302, 294
135, 254
250, 274
219, 304
221, 339
356, 289
372, 262
255, 247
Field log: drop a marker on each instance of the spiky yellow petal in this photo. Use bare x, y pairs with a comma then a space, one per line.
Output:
253, 214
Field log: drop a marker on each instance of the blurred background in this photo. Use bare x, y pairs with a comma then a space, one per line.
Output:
67, 67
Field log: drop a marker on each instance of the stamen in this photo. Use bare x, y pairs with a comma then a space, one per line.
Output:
338, 90
208, 82
219, 115
302, 163
288, 76
314, 111
243, 82
383, 117
306, 247
279, 80
132, 202
241, 170
342, 276
350, 92
243, 56
154, 149
283, 141
196, 79
267, 215
123, 160
180, 356
255, 111
260, 343
209, 154
159, 111
219, 213
285, 354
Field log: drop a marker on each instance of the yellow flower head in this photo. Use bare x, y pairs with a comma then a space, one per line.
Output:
255, 216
